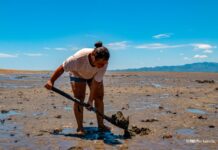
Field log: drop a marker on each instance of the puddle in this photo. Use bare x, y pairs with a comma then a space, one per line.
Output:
185, 131
68, 108
14, 86
5, 115
196, 111
156, 85
10, 132
165, 95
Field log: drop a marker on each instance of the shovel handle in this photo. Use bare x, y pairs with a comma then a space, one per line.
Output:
109, 119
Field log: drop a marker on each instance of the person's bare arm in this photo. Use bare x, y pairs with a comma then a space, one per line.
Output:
58, 72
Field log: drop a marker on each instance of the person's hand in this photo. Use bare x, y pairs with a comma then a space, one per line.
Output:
49, 85
90, 103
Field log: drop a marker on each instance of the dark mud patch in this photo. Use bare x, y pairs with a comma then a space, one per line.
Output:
167, 136
139, 131
211, 126
202, 117
149, 120
205, 81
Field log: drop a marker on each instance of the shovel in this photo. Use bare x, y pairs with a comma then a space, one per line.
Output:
121, 124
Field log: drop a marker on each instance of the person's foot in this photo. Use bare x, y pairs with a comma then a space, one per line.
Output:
104, 128
80, 131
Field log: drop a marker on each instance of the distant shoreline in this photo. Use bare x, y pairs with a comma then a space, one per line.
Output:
14, 71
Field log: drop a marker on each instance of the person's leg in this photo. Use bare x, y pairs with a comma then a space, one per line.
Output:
99, 105
79, 89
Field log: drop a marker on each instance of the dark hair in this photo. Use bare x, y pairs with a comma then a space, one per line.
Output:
101, 52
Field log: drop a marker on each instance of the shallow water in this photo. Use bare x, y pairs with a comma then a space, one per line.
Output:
156, 85
8, 114
185, 131
68, 108
13, 81
12, 136
196, 111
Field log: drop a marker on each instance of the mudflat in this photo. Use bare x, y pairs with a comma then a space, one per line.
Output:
166, 111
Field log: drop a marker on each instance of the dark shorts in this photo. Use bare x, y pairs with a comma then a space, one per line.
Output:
77, 79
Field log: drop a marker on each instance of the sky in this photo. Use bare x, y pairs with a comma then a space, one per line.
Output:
41, 34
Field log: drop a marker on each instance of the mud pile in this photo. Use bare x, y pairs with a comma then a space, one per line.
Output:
123, 122
120, 120
139, 131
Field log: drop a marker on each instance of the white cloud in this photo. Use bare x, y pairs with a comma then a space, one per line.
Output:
60, 49
161, 36
117, 45
158, 46
33, 54
202, 46
4, 55
207, 48
200, 56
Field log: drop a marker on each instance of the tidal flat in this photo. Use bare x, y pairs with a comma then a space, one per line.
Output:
179, 109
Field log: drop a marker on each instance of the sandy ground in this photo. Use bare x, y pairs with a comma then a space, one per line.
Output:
180, 112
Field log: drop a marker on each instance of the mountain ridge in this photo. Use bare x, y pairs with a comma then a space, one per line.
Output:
194, 67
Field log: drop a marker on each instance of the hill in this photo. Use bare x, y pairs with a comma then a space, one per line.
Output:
195, 67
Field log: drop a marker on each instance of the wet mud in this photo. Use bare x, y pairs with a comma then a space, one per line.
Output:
164, 111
